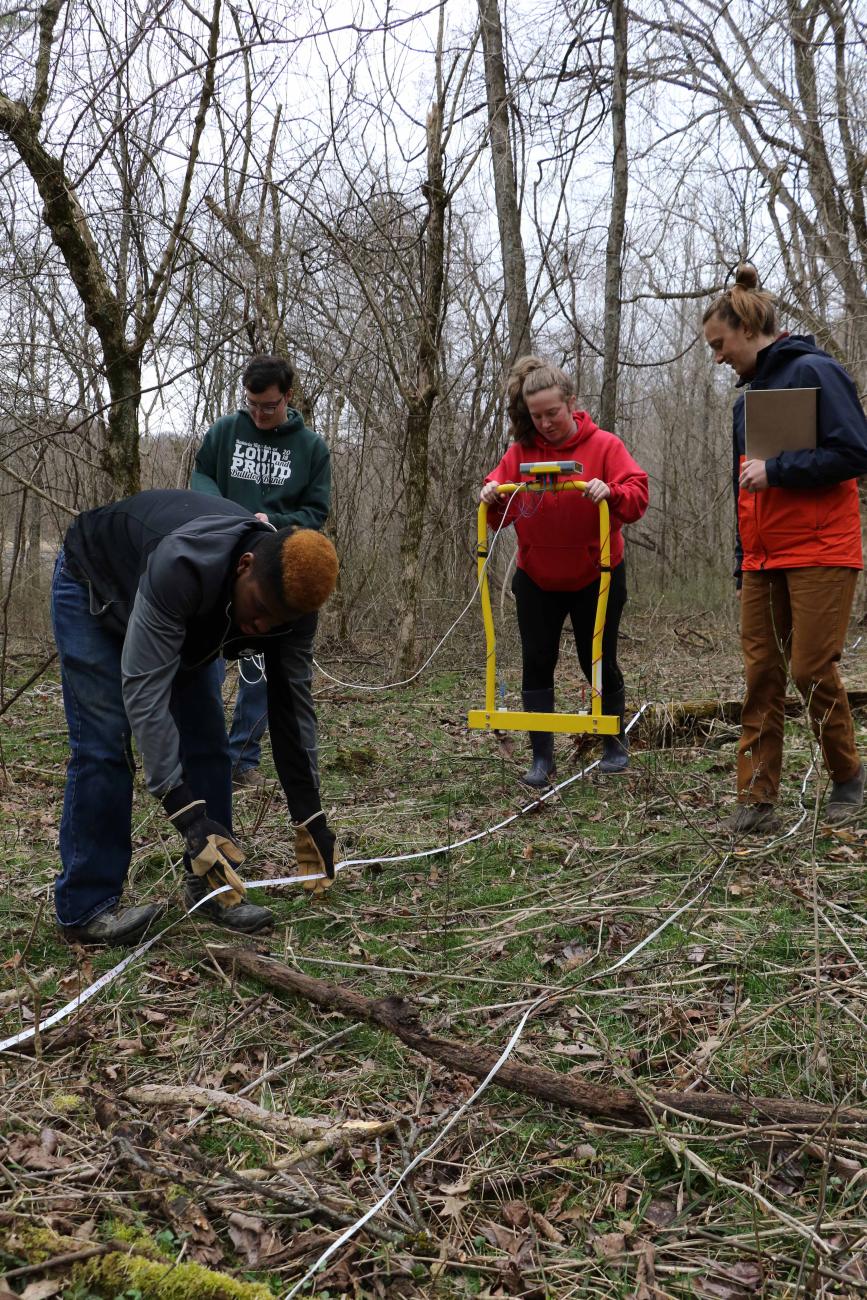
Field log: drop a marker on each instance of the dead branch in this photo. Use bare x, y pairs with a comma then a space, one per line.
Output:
325, 1136
75, 1256
34, 677
597, 1101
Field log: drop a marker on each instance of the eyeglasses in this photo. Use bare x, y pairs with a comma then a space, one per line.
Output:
264, 408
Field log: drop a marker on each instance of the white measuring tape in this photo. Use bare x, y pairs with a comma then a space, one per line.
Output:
507, 1051
104, 980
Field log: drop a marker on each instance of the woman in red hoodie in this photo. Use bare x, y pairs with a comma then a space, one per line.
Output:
558, 545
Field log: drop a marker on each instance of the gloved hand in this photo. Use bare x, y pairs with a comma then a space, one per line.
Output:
213, 852
314, 851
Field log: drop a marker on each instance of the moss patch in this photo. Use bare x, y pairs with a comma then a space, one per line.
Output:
111, 1274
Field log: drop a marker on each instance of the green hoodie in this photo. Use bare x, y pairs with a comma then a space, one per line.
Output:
284, 473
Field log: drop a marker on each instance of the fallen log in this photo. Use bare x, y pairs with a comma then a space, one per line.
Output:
596, 1101
661, 724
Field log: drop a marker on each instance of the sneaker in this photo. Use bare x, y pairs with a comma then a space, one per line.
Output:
249, 778
116, 927
752, 819
244, 917
845, 800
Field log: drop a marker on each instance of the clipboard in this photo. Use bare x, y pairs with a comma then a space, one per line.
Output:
779, 419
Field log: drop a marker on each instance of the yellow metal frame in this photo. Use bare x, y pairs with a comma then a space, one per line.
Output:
493, 719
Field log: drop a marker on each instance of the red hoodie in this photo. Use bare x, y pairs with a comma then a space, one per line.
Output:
558, 532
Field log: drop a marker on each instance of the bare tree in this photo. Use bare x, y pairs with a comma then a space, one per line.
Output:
780, 88
505, 181
617, 218
121, 285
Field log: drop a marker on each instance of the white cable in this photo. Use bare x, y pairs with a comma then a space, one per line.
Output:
390, 686
350, 1232
507, 1051
259, 661
490, 830
276, 882
104, 980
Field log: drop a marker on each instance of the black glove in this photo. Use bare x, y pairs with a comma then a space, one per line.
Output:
314, 850
213, 852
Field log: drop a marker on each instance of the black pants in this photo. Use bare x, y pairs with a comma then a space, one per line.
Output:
541, 615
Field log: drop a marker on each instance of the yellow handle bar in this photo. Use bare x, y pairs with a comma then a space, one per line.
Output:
511, 489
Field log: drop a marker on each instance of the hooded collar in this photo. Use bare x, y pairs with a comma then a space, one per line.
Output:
584, 427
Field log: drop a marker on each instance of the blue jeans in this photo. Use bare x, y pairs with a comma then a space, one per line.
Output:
250, 719
96, 826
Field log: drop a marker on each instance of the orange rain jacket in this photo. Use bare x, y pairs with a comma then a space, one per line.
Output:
808, 515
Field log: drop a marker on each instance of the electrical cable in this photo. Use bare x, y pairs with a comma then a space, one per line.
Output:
389, 686
109, 976
507, 1051
259, 663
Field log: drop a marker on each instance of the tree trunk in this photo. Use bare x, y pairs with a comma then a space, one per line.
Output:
420, 400
617, 221
67, 222
505, 183
120, 454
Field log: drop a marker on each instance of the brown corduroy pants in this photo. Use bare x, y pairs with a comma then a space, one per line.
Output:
793, 620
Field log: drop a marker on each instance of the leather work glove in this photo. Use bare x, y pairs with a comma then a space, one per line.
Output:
314, 851
213, 852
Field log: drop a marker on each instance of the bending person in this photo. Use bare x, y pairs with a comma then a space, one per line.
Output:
147, 594
558, 566
265, 458
798, 554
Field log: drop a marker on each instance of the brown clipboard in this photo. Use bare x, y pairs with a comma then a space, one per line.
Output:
779, 419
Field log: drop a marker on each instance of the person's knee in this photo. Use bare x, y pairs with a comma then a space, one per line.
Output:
807, 675
537, 678
766, 665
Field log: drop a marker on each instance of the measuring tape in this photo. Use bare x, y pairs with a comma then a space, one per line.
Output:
104, 980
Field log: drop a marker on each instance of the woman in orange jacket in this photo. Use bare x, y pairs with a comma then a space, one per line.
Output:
558, 565
798, 554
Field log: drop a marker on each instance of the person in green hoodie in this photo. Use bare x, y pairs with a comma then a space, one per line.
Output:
265, 458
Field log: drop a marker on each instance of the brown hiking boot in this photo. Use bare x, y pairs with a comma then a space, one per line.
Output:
845, 800
250, 778
752, 819
116, 927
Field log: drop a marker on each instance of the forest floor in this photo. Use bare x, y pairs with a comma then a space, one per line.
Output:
757, 988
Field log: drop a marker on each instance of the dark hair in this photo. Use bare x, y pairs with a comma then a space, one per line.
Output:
263, 371
527, 376
745, 304
298, 566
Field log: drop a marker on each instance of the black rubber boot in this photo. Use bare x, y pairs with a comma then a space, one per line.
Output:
245, 917
615, 749
118, 927
542, 742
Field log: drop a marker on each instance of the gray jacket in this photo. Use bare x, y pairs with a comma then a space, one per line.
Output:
160, 566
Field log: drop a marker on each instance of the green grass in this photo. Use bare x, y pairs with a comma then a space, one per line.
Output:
554, 901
